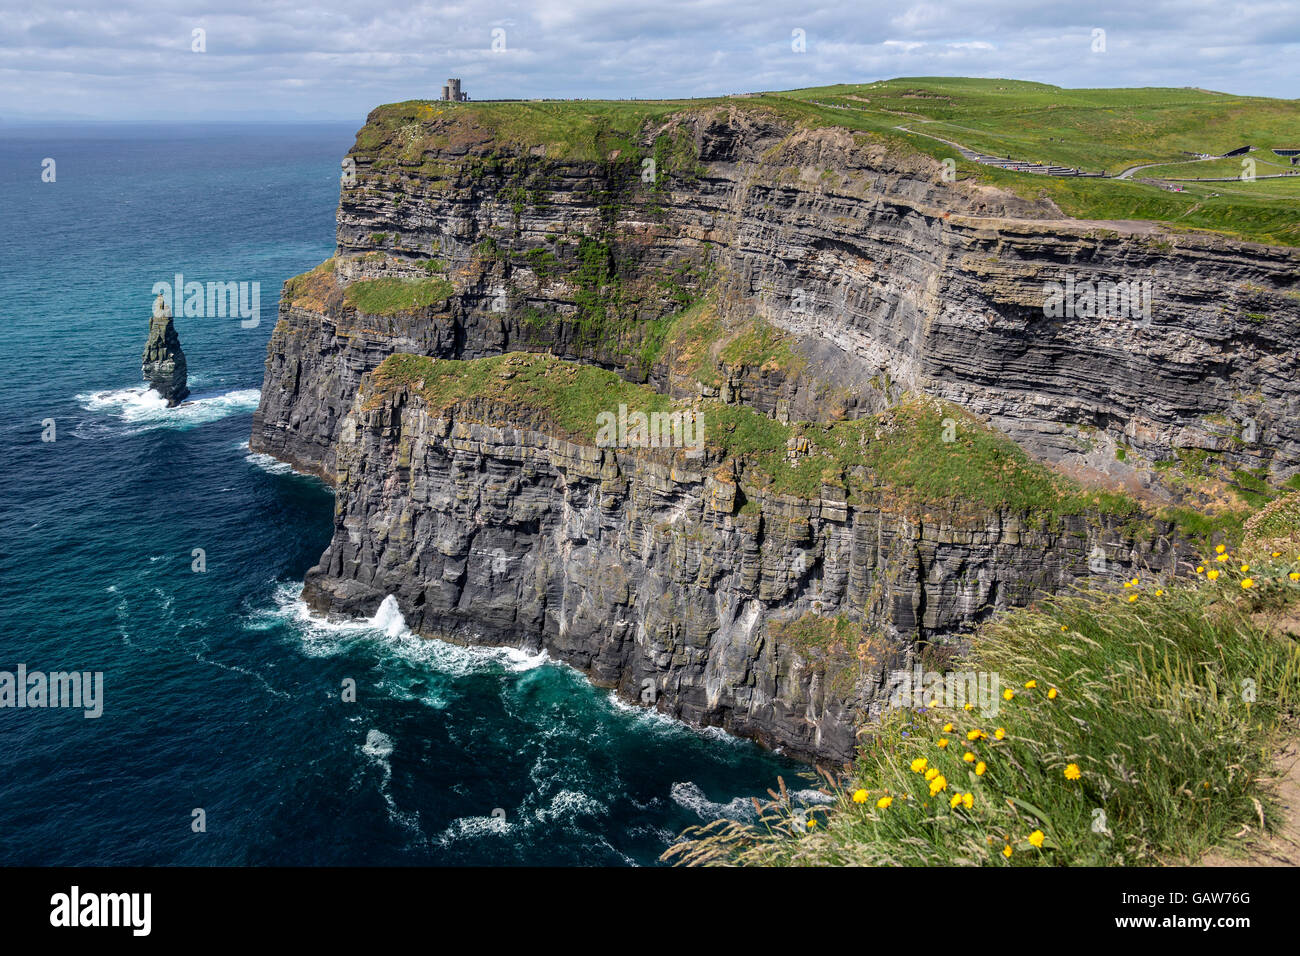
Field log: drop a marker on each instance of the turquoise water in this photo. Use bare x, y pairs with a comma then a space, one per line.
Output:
220, 693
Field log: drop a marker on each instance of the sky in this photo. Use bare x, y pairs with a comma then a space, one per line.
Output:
278, 60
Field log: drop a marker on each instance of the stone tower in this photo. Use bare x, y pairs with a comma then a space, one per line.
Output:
164, 360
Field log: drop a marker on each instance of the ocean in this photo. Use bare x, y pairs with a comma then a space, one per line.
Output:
224, 737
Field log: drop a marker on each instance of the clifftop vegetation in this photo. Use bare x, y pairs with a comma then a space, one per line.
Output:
1091, 129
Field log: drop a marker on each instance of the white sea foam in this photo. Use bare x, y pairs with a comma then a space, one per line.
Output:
268, 463
379, 747
463, 828
570, 803
321, 637
690, 796
145, 408
659, 721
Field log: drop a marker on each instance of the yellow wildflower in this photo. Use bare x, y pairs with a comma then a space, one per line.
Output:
980, 768
968, 800
941, 742
1072, 772
975, 734
860, 796
884, 802
1036, 838
932, 773
1051, 694
955, 802
1219, 549
1245, 568
937, 784
1132, 598
1221, 558
1247, 583
1294, 575
1000, 733
1200, 569
968, 757
1212, 575
1006, 851
1008, 694
1030, 684
947, 728
919, 765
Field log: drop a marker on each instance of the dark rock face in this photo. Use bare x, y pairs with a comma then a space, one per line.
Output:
164, 360
887, 278
644, 571
636, 569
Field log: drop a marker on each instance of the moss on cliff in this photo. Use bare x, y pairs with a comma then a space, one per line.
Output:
923, 452
312, 289
388, 296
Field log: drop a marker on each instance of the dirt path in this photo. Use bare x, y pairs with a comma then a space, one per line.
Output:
1252, 847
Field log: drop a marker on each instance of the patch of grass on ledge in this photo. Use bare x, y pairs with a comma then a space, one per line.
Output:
1165, 714
567, 394
388, 296
310, 289
900, 454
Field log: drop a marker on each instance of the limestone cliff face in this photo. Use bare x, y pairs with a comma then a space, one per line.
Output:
642, 568
811, 275
164, 360
881, 277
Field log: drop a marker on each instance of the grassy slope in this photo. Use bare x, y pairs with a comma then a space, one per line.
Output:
1092, 129
1169, 702
899, 456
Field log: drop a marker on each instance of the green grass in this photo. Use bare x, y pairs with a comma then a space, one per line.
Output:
1277, 524
566, 395
899, 458
389, 296
1087, 128
1169, 706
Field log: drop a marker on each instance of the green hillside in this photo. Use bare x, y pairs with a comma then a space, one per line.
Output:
1097, 130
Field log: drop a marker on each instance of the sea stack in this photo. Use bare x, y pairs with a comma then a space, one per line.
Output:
164, 360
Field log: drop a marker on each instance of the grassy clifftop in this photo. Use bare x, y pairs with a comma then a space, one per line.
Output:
1098, 129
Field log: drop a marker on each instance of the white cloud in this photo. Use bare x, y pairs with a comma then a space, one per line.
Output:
132, 59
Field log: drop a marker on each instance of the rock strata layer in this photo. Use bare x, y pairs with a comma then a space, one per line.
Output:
673, 580
811, 275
